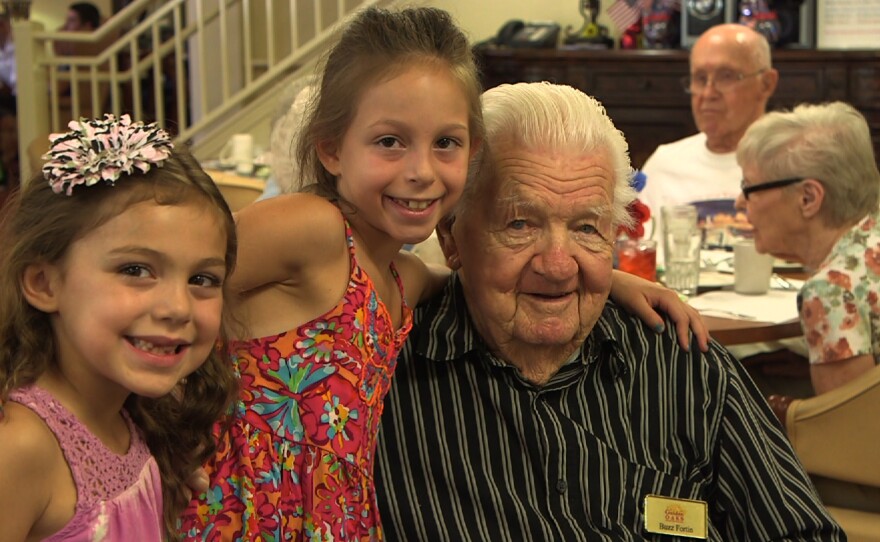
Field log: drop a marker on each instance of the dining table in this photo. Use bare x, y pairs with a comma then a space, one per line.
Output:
736, 319
730, 331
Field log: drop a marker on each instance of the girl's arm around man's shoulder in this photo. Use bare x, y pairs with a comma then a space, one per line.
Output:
280, 238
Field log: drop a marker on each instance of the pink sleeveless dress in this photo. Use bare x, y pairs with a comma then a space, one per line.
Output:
297, 463
118, 497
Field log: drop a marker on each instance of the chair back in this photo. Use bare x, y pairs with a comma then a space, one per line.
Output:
837, 435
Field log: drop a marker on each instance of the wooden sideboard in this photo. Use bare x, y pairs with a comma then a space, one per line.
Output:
642, 93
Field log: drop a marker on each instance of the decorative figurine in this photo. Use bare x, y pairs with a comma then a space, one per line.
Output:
632, 36
661, 24
591, 35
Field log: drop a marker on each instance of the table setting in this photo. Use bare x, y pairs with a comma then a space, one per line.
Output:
742, 295
743, 298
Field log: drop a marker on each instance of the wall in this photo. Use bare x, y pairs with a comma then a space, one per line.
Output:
51, 13
482, 20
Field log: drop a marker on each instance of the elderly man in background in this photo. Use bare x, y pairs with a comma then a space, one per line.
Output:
527, 406
731, 79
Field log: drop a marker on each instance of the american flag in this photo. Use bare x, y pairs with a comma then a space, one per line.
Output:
624, 13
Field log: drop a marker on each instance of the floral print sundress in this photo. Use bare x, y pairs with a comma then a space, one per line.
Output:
297, 463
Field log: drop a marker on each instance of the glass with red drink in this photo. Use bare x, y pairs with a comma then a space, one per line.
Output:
637, 256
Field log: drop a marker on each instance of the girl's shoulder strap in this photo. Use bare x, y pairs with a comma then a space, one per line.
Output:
349, 234
98, 472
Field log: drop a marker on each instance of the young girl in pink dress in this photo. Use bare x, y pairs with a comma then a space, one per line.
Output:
111, 292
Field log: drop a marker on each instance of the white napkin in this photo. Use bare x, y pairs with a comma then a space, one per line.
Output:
776, 306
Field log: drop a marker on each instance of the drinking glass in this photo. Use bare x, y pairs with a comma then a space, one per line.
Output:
681, 248
637, 256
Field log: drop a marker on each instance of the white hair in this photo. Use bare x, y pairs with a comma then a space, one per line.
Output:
547, 117
285, 135
830, 142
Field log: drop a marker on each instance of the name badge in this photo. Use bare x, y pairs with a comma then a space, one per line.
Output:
676, 517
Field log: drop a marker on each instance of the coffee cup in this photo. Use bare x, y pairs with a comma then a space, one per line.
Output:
751, 270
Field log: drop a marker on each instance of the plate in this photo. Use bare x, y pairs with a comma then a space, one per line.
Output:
724, 267
722, 262
714, 279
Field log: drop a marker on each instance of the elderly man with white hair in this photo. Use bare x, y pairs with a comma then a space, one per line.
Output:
528, 406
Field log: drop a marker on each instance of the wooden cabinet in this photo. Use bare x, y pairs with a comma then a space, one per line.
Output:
642, 93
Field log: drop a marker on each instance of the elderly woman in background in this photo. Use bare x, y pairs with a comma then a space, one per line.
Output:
811, 189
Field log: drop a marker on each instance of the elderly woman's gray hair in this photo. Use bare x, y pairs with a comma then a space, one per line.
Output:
828, 142
547, 116
286, 132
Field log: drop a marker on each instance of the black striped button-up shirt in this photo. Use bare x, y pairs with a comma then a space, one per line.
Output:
470, 451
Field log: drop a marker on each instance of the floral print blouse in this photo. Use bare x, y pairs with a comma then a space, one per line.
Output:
840, 304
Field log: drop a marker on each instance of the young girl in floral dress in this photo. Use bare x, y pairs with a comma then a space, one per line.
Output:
322, 280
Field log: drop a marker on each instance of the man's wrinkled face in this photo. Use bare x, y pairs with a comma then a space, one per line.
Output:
534, 248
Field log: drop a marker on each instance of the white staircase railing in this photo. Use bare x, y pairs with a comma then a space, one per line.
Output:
188, 65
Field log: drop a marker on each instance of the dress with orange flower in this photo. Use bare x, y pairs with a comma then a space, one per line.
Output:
840, 303
297, 463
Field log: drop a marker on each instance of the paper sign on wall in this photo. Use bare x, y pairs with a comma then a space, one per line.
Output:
848, 24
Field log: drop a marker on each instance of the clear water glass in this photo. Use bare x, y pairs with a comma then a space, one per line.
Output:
681, 247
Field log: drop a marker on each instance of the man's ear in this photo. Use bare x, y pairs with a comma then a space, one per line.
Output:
811, 198
39, 284
447, 243
476, 145
328, 154
770, 79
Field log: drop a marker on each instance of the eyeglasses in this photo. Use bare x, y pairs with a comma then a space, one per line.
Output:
746, 190
722, 80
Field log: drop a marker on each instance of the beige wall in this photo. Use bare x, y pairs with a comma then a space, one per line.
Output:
482, 19
51, 13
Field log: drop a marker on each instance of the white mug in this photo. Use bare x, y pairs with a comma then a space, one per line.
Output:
751, 271
239, 153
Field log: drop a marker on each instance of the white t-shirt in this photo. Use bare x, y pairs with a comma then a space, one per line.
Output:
686, 171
